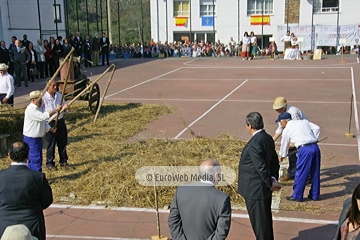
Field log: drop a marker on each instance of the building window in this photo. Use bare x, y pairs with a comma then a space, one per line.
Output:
207, 7
326, 6
57, 13
254, 7
181, 8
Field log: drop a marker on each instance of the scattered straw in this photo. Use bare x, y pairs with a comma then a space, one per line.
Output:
106, 164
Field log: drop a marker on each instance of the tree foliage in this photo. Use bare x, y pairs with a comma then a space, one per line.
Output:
90, 16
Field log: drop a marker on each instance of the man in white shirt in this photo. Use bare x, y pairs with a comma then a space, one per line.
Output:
280, 105
50, 100
6, 85
286, 39
300, 134
35, 126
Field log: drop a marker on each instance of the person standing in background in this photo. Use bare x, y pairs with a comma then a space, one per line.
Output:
104, 44
96, 49
87, 51
286, 39
40, 64
20, 57
6, 85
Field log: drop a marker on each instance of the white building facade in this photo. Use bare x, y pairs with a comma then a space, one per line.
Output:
35, 18
231, 18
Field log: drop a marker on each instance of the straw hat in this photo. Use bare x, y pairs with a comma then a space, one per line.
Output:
33, 95
279, 102
3, 66
17, 232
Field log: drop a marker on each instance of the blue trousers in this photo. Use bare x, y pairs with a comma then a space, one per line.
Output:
35, 153
308, 162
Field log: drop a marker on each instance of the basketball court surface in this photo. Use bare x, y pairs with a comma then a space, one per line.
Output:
213, 96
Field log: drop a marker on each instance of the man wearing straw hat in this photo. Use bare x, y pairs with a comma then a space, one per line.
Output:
35, 126
50, 100
6, 85
280, 105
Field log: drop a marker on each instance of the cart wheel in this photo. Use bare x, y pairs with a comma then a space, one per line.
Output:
94, 98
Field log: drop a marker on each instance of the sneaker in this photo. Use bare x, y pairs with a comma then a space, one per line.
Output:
358, 60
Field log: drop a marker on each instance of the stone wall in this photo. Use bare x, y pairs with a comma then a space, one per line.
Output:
293, 6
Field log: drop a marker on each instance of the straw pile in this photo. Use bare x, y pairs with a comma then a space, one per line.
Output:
106, 164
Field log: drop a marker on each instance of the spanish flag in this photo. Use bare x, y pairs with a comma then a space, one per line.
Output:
180, 21
258, 20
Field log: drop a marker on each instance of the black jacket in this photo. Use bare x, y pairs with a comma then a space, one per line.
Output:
24, 193
4, 56
258, 163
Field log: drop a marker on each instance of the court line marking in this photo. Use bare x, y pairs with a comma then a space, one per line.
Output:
149, 210
267, 66
142, 82
355, 110
185, 63
210, 109
180, 79
90, 237
215, 100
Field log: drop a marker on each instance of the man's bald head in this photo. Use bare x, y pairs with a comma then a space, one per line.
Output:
210, 169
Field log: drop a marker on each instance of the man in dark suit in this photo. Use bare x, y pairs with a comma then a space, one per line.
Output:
11, 45
20, 56
200, 211
105, 49
25, 42
258, 175
78, 41
24, 193
4, 54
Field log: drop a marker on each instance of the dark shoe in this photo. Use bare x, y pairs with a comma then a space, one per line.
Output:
19, 85
309, 197
285, 179
26, 85
108, 64
67, 166
52, 168
292, 199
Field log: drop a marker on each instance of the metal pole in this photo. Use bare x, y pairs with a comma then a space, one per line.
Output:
87, 18
157, 20
66, 4
238, 13
312, 27
338, 26
56, 22
97, 18
287, 16
77, 15
262, 25
109, 20
213, 14
119, 21
190, 20
38, 7
101, 20
167, 24
142, 22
